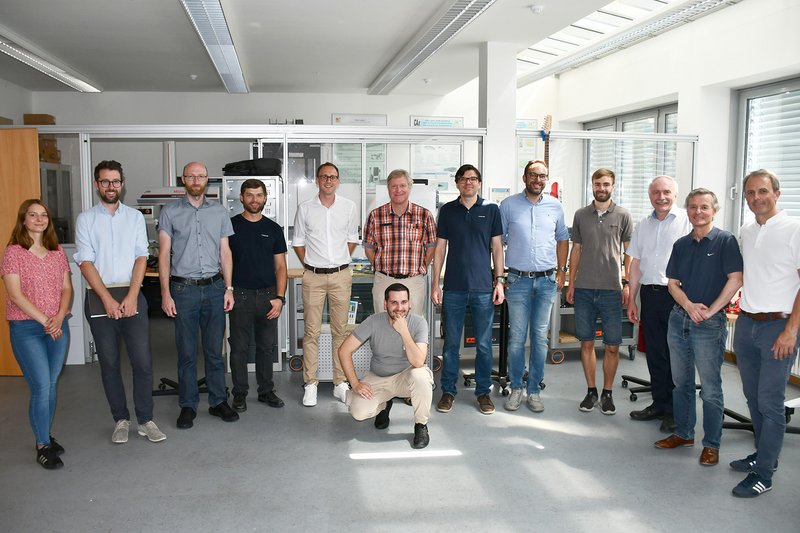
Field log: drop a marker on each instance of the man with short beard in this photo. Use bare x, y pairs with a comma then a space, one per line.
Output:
259, 288
601, 232
536, 256
195, 270
399, 344
111, 241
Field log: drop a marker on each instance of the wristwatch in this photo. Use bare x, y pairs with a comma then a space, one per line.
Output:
281, 298
625, 282
229, 289
502, 280
562, 269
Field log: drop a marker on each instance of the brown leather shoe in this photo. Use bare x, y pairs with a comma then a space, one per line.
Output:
709, 457
673, 441
446, 403
485, 404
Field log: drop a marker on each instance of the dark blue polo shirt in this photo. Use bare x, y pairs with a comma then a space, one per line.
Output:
703, 266
253, 248
469, 235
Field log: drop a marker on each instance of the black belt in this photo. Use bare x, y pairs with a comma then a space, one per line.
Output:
332, 270
656, 287
531, 274
763, 317
398, 276
201, 282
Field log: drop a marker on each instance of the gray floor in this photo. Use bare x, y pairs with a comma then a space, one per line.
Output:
293, 468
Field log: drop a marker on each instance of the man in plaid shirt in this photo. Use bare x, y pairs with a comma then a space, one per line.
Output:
399, 240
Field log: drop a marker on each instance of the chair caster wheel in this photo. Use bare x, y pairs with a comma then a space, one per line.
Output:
557, 357
437, 364
542, 385
295, 363
506, 391
634, 397
624, 384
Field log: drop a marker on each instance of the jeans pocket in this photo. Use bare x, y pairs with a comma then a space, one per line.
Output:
511, 279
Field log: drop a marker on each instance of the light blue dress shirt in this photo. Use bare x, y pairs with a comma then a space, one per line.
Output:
111, 243
531, 232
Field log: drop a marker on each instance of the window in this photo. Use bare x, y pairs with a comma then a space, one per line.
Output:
770, 127
635, 162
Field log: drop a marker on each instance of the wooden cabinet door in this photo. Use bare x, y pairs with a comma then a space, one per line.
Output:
19, 180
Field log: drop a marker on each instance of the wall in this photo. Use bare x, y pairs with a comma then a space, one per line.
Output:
14, 101
699, 65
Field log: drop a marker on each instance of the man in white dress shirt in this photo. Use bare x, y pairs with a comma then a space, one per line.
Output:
325, 235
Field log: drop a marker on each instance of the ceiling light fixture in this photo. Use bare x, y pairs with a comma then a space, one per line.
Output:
683, 14
209, 23
17, 48
451, 19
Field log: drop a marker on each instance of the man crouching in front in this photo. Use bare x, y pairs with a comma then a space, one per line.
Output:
399, 344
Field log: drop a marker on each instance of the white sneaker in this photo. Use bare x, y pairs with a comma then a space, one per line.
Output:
340, 391
151, 431
310, 396
535, 403
120, 434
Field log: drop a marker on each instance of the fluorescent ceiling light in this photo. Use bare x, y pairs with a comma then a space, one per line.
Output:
450, 20
682, 12
15, 47
209, 22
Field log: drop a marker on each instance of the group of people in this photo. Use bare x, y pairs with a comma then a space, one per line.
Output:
685, 270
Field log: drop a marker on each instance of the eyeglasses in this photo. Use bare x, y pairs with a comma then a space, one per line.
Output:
195, 178
534, 175
327, 177
112, 183
470, 179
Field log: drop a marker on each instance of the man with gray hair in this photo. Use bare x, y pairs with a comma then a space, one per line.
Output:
649, 250
399, 241
766, 341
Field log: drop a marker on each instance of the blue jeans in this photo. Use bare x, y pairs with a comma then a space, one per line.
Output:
530, 301
454, 304
607, 304
135, 330
764, 384
41, 360
700, 345
200, 310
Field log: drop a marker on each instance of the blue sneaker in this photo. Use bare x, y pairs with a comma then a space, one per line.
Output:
748, 464
752, 486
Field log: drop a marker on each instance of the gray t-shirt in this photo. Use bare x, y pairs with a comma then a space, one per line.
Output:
601, 238
388, 352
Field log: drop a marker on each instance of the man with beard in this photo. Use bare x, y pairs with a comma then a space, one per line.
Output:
399, 344
195, 268
536, 256
399, 240
651, 246
112, 253
325, 235
601, 232
259, 288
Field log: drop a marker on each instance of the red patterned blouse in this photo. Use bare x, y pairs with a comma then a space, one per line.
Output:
41, 280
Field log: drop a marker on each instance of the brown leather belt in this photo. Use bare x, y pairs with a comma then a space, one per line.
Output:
397, 276
763, 317
332, 270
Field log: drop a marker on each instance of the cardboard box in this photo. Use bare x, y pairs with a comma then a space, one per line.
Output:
6, 121
32, 119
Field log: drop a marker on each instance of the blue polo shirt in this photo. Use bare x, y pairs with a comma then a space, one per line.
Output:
469, 233
531, 232
703, 266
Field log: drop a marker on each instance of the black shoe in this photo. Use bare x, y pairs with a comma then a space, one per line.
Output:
382, 420
421, 438
648, 413
185, 418
271, 399
225, 412
668, 424
239, 403
48, 458
55, 446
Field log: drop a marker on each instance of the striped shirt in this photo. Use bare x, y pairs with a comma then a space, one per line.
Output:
400, 242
